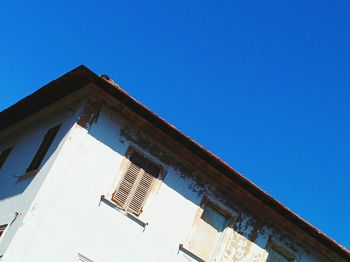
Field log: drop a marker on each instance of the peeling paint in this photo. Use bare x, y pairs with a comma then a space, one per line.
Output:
247, 229
90, 113
248, 226
173, 209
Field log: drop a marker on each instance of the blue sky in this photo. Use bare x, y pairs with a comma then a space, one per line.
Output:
263, 84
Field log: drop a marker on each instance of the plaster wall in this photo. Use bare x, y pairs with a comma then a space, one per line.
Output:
66, 217
17, 196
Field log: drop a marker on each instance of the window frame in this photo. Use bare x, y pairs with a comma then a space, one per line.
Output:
221, 242
41, 149
3, 230
276, 245
122, 171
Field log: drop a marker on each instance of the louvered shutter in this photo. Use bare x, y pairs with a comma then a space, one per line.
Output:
141, 192
125, 188
135, 185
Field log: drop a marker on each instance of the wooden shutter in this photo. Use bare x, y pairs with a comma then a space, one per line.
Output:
43, 148
136, 184
142, 190
4, 155
126, 186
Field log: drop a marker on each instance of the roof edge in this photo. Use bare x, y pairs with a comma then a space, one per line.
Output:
81, 76
116, 91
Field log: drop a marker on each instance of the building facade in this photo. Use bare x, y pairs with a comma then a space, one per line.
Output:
87, 173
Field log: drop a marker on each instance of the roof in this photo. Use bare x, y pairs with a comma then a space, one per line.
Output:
81, 76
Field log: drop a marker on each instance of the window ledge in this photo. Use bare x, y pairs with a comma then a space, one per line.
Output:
190, 253
124, 212
28, 175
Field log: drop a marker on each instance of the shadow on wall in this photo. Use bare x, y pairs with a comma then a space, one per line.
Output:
11, 185
14, 178
11, 189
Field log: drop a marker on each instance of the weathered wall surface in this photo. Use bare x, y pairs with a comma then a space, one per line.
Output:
17, 196
67, 216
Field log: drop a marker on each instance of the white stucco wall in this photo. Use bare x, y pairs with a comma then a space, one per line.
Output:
17, 196
66, 217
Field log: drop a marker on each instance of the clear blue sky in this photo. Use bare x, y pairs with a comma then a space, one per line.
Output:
263, 84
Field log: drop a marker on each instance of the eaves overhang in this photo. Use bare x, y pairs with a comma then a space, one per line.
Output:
82, 76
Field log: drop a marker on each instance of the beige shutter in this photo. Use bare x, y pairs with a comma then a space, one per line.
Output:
133, 189
141, 192
125, 188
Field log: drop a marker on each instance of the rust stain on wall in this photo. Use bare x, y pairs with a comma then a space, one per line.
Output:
90, 113
155, 150
258, 227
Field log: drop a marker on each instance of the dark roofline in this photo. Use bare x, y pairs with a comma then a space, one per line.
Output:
46, 95
81, 76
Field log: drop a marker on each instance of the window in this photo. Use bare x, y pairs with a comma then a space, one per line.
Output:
2, 229
4, 154
208, 233
136, 184
42, 150
278, 253
82, 258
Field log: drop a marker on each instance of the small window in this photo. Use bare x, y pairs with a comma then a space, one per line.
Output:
2, 229
82, 258
136, 184
278, 253
43, 148
208, 233
276, 256
4, 154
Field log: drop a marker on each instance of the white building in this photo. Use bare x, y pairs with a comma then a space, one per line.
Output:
87, 173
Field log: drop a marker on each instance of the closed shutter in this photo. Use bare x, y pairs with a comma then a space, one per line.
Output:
126, 186
136, 184
141, 192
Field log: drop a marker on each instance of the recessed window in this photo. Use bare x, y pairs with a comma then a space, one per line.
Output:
2, 229
41, 152
136, 184
279, 253
3, 156
43, 148
208, 233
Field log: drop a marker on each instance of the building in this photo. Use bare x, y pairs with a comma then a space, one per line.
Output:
87, 173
